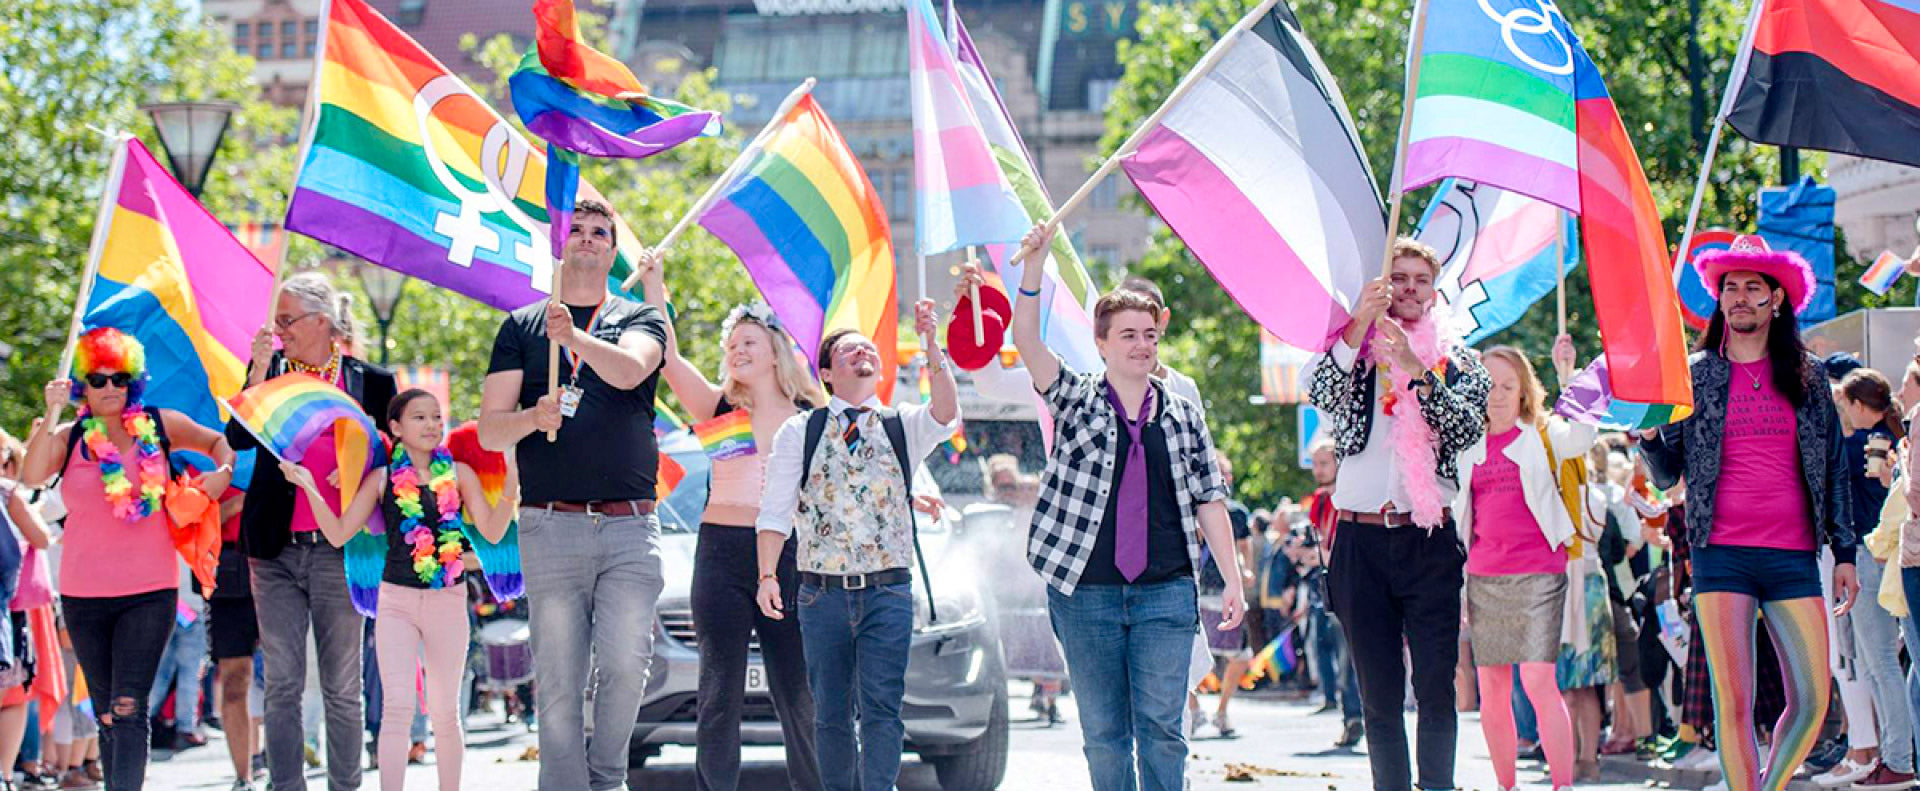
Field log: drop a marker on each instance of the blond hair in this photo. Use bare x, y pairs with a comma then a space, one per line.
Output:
794, 381
12, 451
1409, 247
1533, 396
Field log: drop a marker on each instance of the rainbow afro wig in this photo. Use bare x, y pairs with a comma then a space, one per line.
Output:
108, 350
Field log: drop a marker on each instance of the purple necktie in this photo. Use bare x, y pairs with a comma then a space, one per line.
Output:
1130, 511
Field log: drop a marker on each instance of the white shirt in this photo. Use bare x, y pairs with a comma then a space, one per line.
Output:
1371, 480
782, 494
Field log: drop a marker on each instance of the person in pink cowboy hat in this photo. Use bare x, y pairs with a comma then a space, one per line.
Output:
1765, 476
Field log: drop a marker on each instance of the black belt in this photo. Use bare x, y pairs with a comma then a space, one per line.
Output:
1384, 517
311, 537
598, 507
854, 582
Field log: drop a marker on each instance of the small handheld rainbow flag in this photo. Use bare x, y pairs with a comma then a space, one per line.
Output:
1885, 271
289, 413
728, 436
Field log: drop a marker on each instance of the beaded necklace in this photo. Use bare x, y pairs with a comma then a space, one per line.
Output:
130, 502
328, 373
436, 553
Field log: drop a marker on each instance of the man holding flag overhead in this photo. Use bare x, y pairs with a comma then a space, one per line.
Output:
1405, 399
589, 536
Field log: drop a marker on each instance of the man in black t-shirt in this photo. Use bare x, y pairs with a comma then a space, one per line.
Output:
588, 535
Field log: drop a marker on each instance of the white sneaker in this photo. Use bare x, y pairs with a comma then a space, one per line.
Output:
1845, 773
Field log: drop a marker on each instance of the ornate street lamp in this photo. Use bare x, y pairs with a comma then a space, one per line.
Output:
190, 132
384, 289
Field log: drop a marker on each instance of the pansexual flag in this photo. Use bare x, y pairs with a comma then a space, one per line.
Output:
404, 166
729, 436
1259, 170
1528, 111
809, 227
962, 197
1500, 252
1067, 294
582, 102
1885, 271
289, 413
1836, 75
174, 277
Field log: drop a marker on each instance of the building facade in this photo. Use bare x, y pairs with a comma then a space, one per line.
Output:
1878, 205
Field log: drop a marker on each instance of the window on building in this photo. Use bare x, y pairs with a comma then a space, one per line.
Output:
242, 31
879, 51
900, 197
288, 29
307, 51
313, 28
1106, 194
263, 51
263, 30
1099, 93
411, 12
289, 49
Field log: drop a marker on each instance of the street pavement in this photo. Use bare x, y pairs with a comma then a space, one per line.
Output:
1281, 745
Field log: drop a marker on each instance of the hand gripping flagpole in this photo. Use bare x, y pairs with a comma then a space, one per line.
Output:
726, 177
1415, 46
1206, 64
1734, 80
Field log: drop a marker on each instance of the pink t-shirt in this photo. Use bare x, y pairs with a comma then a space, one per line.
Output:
1506, 537
103, 554
1760, 500
321, 461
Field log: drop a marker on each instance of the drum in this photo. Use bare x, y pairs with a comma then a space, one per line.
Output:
508, 653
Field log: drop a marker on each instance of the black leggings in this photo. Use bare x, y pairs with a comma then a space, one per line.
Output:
120, 641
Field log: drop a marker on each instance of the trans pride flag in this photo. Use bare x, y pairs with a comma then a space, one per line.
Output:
1497, 253
176, 278
1508, 97
809, 227
404, 166
962, 197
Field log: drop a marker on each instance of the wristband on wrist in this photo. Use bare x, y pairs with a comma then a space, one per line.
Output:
769, 576
1025, 293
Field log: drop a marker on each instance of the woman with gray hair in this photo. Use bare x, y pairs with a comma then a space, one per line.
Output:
298, 579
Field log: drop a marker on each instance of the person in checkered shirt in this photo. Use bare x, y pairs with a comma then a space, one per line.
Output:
1130, 490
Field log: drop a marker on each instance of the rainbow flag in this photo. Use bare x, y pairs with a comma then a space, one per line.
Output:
1885, 271
963, 198
289, 413
171, 275
1067, 294
810, 229
582, 102
1589, 399
404, 166
1507, 96
729, 436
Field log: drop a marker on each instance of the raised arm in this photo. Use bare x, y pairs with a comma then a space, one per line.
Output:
696, 392
1041, 364
47, 442
944, 398
491, 519
339, 528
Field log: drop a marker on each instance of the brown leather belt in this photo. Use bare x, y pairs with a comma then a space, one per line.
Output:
599, 507
1384, 518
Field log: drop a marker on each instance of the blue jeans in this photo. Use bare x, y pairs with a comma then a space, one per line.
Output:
1127, 650
1910, 581
180, 673
1331, 661
856, 644
592, 583
1877, 644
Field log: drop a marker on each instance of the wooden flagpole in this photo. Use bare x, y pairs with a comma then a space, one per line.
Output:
553, 349
1414, 47
1734, 80
1206, 64
712, 194
973, 292
1560, 270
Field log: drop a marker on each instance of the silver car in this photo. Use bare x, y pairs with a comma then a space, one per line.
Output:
955, 709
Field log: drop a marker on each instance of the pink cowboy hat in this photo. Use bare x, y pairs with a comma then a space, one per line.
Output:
1751, 254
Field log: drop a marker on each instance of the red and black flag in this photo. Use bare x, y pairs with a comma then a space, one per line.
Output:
1835, 75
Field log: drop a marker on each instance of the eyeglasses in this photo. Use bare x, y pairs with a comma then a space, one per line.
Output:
120, 380
284, 322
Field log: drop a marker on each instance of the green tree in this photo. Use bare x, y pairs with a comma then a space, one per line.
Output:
1641, 47
69, 71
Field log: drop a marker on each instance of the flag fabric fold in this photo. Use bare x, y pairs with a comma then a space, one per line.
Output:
1500, 252
810, 229
177, 279
1835, 75
1259, 170
404, 165
1589, 399
289, 413
962, 197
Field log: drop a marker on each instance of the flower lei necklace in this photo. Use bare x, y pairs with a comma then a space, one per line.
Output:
436, 553
130, 502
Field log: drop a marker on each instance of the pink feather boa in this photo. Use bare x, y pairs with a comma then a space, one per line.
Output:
1413, 440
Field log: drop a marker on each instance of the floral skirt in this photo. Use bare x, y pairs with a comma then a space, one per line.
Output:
1588, 655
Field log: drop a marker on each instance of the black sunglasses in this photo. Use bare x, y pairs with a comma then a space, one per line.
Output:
120, 380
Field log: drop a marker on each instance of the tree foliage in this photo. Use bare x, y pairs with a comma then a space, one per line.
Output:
1641, 47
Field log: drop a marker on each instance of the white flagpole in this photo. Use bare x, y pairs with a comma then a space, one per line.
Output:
1415, 46
1734, 80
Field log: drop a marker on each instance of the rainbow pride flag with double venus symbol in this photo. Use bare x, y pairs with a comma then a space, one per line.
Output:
289, 413
729, 436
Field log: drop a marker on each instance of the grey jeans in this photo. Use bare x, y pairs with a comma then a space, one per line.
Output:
592, 582
307, 585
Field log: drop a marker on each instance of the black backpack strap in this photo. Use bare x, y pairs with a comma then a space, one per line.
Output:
897, 435
816, 428
160, 429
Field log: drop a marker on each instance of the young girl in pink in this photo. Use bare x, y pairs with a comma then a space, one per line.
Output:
1511, 516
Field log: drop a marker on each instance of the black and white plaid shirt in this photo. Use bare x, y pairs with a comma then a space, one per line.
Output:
1080, 473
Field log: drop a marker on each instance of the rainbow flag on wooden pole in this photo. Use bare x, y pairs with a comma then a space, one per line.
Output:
289, 413
809, 227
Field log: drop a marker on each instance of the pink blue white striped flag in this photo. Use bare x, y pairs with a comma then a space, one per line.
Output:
1067, 295
961, 196
1259, 170
1885, 271
1497, 253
